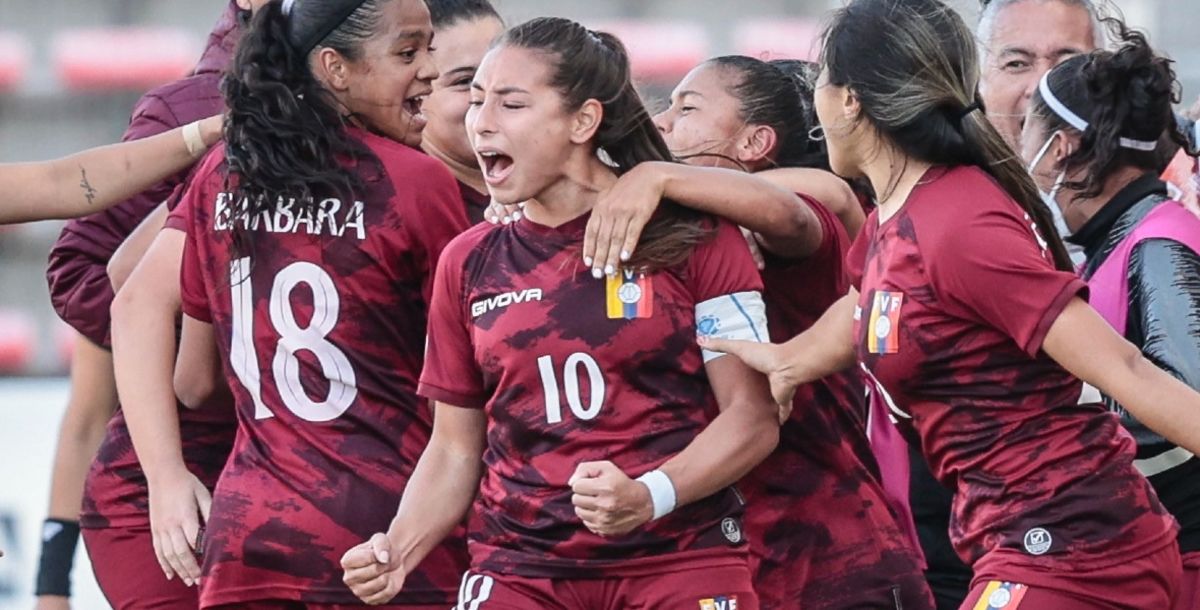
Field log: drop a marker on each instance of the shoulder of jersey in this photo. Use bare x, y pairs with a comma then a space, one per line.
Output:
468, 240
186, 90
965, 192
208, 164
725, 229
404, 161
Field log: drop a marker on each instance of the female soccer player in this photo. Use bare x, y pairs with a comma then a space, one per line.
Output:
463, 29
554, 389
818, 523
95, 179
1092, 139
972, 324
311, 265
114, 512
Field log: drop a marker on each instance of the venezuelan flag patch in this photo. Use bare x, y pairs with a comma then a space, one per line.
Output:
883, 334
721, 602
1001, 596
630, 296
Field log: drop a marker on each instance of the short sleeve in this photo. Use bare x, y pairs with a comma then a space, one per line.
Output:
856, 258
191, 274
445, 218
833, 234
994, 268
432, 209
723, 265
178, 218
728, 290
451, 374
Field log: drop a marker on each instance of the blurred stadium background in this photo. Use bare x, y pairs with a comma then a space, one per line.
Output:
71, 70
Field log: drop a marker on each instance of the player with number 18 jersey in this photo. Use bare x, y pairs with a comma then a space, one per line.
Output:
320, 321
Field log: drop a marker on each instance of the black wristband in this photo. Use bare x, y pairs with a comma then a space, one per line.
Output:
58, 554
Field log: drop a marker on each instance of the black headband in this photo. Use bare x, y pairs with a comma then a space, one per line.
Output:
309, 41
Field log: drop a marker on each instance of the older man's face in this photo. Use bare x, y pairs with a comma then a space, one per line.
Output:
1028, 38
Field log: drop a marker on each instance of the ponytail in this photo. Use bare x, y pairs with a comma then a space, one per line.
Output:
917, 83
595, 65
284, 136
992, 154
778, 95
1123, 100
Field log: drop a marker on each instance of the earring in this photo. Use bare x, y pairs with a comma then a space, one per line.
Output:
817, 134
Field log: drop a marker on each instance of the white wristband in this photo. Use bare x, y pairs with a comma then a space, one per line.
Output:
662, 492
193, 140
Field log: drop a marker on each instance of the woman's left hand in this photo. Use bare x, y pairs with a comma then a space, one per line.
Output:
619, 216
608, 501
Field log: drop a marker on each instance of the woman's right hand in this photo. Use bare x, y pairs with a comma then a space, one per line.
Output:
373, 572
766, 358
179, 505
498, 213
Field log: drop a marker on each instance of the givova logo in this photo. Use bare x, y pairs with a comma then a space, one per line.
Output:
482, 306
719, 603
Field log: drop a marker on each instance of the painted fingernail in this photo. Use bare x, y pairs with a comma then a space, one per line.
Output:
506, 220
587, 260
596, 273
625, 256
608, 270
516, 216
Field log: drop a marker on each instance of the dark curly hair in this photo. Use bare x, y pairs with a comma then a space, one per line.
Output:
1127, 93
284, 135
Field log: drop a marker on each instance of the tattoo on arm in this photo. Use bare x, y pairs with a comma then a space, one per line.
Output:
88, 191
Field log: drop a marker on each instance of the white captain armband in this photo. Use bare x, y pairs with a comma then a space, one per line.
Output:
741, 316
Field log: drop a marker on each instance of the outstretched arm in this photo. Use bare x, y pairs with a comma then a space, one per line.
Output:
1084, 344
833, 193
822, 350
95, 179
788, 227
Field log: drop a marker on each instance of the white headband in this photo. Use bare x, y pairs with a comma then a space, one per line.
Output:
287, 6
1076, 121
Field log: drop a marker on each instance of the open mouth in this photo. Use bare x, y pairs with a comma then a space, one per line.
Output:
496, 165
413, 105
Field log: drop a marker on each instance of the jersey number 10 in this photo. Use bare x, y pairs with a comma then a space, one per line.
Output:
571, 387
293, 338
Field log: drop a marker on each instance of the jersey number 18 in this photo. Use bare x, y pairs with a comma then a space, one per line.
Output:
293, 338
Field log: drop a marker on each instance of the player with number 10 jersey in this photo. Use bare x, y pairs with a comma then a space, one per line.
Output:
557, 386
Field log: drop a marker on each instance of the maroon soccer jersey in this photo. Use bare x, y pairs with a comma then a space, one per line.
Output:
115, 492
570, 371
818, 523
475, 203
958, 292
321, 326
